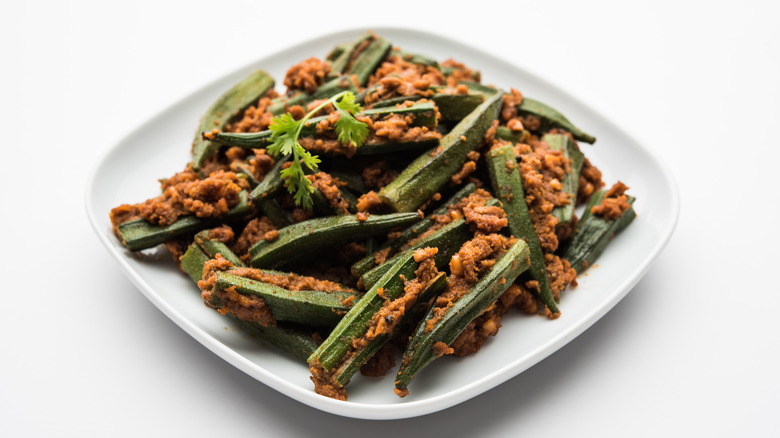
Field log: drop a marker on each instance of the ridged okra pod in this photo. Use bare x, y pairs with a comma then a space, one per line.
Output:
508, 187
227, 107
361, 332
139, 234
423, 114
420, 350
393, 245
431, 170
551, 118
300, 240
562, 142
594, 233
296, 341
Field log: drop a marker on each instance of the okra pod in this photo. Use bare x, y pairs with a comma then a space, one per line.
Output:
227, 107
420, 350
514, 137
310, 307
508, 187
562, 142
594, 233
369, 59
393, 245
431, 170
424, 114
139, 234
551, 118
339, 64
214, 247
448, 240
292, 339
340, 355
299, 240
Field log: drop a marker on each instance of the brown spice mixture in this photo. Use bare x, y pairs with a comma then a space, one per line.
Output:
590, 182
329, 187
259, 164
564, 231
474, 257
256, 118
325, 384
542, 169
468, 168
370, 202
509, 105
186, 175
244, 307
396, 67
460, 73
378, 174
307, 75
177, 247
440, 349
213, 196
257, 229
398, 128
615, 202
559, 273
471, 339
222, 234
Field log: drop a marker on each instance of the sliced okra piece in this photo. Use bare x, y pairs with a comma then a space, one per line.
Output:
309, 307
420, 350
594, 233
415, 58
342, 353
508, 187
139, 234
424, 114
336, 51
300, 240
393, 245
562, 142
323, 205
551, 118
452, 107
448, 240
297, 341
430, 171
226, 108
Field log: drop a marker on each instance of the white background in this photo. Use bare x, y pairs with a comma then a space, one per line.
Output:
693, 349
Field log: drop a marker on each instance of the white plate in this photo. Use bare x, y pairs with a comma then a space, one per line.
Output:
160, 147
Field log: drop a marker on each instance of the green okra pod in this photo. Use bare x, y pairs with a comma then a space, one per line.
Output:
342, 353
139, 234
508, 187
420, 350
431, 170
562, 142
551, 118
393, 245
295, 340
424, 114
448, 240
271, 184
299, 240
226, 108
310, 307
594, 233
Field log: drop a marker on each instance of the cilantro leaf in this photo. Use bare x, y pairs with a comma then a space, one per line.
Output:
284, 141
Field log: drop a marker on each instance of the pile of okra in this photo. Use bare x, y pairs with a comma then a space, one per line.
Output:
483, 132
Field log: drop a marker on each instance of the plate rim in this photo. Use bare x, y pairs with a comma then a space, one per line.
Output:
411, 408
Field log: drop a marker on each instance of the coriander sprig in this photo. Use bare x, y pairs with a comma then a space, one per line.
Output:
284, 141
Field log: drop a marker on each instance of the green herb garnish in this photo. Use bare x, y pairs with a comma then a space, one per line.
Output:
284, 141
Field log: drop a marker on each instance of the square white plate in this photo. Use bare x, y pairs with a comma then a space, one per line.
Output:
129, 172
